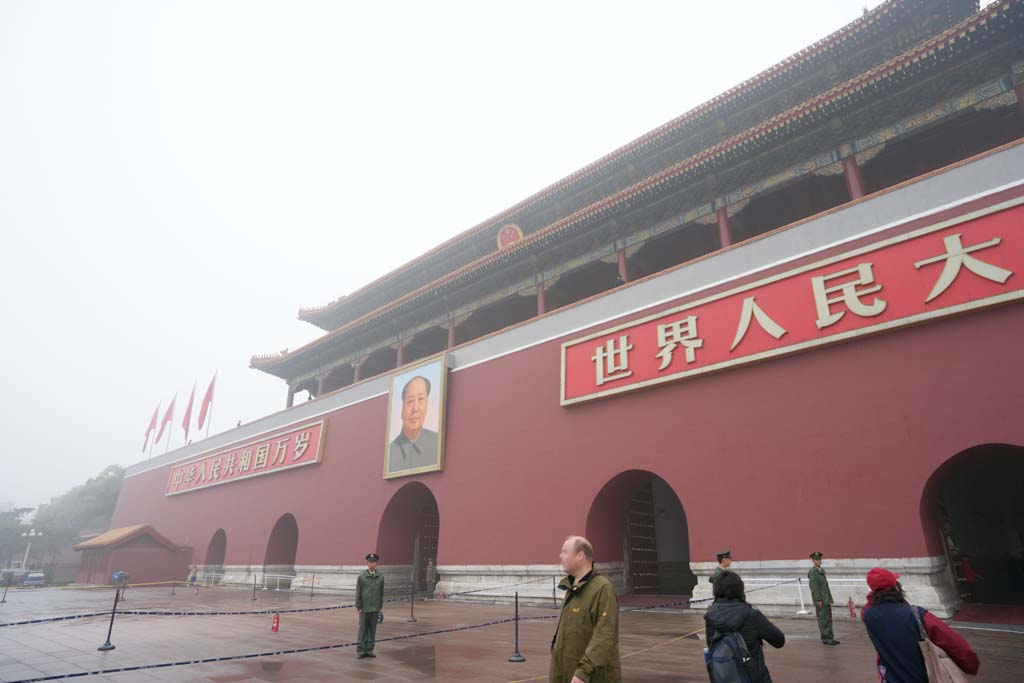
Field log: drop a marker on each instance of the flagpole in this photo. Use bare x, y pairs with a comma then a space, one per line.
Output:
209, 419
153, 442
170, 432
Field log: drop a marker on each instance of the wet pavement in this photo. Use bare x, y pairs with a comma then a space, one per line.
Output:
654, 644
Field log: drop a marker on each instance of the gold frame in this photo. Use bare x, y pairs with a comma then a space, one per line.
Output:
442, 359
264, 437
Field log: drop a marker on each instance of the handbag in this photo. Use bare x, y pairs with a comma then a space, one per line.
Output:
941, 669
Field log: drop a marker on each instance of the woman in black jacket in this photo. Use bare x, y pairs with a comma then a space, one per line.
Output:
731, 612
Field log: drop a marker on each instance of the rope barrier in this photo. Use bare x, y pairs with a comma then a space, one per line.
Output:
91, 586
208, 613
318, 648
255, 655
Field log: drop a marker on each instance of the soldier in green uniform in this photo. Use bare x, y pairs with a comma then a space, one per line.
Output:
431, 578
585, 648
724, 560
822, 597
369, 600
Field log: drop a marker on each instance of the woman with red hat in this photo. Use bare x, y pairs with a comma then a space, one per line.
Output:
893, 629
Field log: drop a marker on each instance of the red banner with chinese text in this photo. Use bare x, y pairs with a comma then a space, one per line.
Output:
958, 265
284, 451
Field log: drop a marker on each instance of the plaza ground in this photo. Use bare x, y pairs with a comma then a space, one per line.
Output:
658, 646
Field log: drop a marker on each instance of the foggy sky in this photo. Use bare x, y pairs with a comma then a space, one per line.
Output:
178, 179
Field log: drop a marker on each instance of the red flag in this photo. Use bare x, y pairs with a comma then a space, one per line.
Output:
168, 416
188, 413
151, 427
207, 401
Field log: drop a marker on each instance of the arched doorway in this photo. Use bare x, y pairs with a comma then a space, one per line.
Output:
279, 562
973, 507
409, 529
637, 518
215, 551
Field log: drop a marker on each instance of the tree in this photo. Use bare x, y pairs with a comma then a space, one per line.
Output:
11, 528
87, 507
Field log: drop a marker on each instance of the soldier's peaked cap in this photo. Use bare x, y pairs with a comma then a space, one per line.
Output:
372, 557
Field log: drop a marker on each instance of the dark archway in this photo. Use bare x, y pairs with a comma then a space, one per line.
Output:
973, 506
672, 248
217, 548
426, 343
638, 519
339, 377
281, 548
943, 143
804, 197
584, 282
409, 530
380, 361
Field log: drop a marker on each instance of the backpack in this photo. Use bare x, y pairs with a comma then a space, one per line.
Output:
729, 659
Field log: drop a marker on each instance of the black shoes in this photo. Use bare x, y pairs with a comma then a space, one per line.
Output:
830, 642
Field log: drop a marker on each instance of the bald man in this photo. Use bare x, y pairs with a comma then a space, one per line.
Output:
415, 447
585, 648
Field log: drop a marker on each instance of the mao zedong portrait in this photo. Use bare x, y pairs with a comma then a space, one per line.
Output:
415, 446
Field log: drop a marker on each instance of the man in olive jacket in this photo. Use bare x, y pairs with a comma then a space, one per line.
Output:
585, 648
822, 597
369, 600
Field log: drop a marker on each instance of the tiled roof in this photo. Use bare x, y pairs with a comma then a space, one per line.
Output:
116, 537
759, 82
936, 47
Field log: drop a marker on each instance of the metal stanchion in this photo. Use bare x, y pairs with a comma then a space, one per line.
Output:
253, 598
516, 657
108, 645
6, 586
311, 585
412, 601
124, 588
800, 592
173, 581
554, 592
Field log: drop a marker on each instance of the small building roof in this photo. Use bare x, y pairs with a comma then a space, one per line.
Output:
115, 537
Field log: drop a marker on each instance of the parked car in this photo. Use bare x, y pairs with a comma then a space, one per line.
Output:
14, 577
35, 580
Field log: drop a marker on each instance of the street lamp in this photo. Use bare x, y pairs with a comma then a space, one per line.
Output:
29, 535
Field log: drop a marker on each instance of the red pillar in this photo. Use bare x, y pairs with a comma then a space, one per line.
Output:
355, 370
451, 333
320, 384
623, 266
854, 179
400, 358
541, 302
724, 230
291, 396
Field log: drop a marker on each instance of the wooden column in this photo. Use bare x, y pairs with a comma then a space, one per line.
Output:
291, 396
853, 177
320, 384
400, 357
356, 365
541, 301
724, 229
623, 266
451, 333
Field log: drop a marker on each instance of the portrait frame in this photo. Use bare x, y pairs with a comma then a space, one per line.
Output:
434, 369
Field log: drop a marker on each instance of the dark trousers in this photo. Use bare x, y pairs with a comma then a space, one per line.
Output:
824, 614
367, 632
